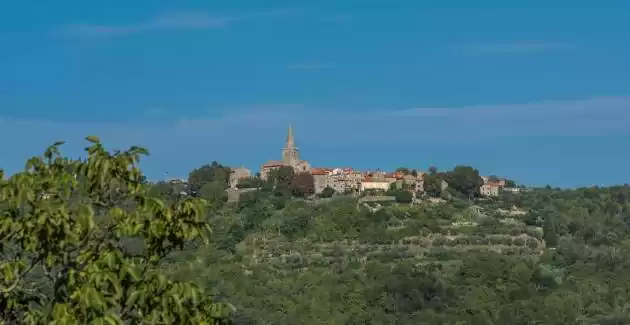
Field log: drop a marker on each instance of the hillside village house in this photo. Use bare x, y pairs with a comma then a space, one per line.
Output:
491, 186
321, 178
498, 181
238, 174
489, 189
342, 180
513, 189
376, 182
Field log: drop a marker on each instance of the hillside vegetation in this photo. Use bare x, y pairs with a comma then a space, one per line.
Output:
545, 256
90, 242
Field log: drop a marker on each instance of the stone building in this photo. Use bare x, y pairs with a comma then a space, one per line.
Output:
489, 189
494, 180
342, 180
378, 184
491, 185
290, 158
345, 180
237, 174
321, 178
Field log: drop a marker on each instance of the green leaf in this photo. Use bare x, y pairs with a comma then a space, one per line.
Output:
133, 298
98, 321
113, 319
133, 272
93, 139
110, 260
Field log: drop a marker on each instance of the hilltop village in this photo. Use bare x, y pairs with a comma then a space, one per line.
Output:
345, 180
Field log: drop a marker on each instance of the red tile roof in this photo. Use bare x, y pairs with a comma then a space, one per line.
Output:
320, 171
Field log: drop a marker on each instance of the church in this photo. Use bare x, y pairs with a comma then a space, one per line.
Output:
290, 158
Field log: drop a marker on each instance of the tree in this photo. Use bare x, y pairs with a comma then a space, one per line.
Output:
465, 180
67, 234
303, 185
166, 190
432, 184
327, 192
510, 183
550, 228
214, 193
249, 182
281, 180
403, 170
403, 196
433, 170
208, 173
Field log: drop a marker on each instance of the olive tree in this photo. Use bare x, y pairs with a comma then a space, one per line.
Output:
81, 242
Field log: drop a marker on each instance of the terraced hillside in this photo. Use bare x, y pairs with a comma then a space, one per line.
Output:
410, 234
542, 257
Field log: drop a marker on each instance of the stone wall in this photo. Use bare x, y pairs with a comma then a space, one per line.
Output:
235, 194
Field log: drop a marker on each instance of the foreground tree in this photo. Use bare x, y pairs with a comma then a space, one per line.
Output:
81, 243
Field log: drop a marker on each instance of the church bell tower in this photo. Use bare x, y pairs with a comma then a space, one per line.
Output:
290, 153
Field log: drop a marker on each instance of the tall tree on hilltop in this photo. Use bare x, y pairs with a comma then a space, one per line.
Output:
249, 182
432, 184
214, 172
166, 190
65, 230
214, 193
465, 180
282, 180
303, 185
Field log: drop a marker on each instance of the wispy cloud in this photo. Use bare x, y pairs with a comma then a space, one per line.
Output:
589, 117
596, 116
170, 21
509, 47
257, 131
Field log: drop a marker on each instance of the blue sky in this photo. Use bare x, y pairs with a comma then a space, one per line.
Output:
538, 92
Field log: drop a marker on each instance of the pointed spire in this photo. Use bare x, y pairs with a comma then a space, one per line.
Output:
290, 141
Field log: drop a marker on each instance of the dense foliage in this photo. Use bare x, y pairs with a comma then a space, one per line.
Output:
543, 256
82, 242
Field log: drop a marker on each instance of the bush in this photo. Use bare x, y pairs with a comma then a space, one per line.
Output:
328, 192
403, 196
519, 241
